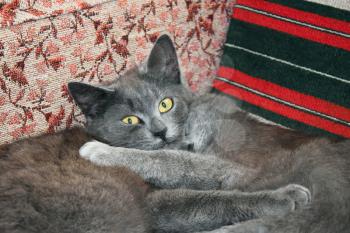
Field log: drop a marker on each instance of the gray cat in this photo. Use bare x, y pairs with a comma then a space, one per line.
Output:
200, 150
46, 187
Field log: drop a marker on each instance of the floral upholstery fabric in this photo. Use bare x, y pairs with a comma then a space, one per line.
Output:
44, 44
19, 11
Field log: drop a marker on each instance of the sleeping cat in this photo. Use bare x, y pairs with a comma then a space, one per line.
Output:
46, 187
201, 149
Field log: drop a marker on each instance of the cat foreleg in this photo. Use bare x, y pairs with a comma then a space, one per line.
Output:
168, 168
190, 210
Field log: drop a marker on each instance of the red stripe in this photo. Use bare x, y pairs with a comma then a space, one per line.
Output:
291, 96
298, 15
293, 29
283, 110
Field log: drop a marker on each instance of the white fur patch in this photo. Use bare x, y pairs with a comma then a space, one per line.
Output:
96, 152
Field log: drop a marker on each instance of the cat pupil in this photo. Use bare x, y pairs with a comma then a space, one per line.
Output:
164, 105
129, 121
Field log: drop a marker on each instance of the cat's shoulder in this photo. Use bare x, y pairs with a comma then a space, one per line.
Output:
215, 101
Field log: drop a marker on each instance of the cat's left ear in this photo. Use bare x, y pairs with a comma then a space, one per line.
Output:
162, 63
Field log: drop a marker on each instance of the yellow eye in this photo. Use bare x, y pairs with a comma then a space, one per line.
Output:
131, 120
165, 105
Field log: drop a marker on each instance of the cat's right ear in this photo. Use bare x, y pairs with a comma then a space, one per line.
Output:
90, 99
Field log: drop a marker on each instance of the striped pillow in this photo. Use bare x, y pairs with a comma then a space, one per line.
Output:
289, 62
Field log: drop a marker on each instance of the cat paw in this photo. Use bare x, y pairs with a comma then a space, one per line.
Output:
299, 195
286, 199
250, 226
96, 152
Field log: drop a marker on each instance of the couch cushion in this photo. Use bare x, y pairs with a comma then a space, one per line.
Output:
13, 12
289, 62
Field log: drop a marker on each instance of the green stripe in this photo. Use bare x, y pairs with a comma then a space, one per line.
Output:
287, 76
296, 50
315, 8
271, 116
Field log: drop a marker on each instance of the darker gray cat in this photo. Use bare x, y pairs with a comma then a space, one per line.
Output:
200, 150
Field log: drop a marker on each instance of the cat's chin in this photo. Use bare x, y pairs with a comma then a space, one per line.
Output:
161, 144
156, 145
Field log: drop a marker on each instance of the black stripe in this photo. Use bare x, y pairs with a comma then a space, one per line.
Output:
271, 116
315, 8
287, 76
320, 57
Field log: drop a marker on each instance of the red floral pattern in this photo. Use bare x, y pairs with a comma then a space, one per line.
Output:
93, 43
13, 12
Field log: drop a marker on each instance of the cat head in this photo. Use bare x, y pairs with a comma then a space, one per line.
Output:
144, 109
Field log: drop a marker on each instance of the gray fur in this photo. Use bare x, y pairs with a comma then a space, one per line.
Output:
45, 187
211, 145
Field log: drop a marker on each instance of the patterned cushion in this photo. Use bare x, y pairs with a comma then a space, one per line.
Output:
41, 49
18, 11
289, 62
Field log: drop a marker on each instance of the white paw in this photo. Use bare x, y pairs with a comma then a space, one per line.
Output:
96, 152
